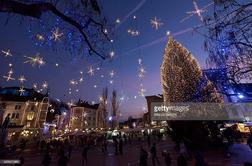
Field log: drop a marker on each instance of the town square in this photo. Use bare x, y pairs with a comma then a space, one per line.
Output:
125, 83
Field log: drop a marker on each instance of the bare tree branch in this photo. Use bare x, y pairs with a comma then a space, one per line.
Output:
37, 9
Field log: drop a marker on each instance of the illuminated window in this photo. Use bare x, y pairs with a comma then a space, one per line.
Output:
30, 115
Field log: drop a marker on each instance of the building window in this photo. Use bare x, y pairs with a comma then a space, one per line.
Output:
17, 116
32, 108
13, 115
30, 115
17, 107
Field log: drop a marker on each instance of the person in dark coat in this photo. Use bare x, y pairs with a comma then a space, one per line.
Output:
143, 161
46, 160
154, 157
121, 146
84, 154
181, 160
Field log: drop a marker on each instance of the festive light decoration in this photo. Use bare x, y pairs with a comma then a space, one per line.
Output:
133, 32
180, 65
10, 64
181, 77
10, 72
198, 11
111, 74
141, 72
118, 21
91, 71
7, 53
156, 23
81, 79
40, 37
105, 31
21, 91
142, 91
9, 77
45, 85
35, 85
56, 34
22, 79
111, 81
56, 64
73, 82
111, 54
35, 60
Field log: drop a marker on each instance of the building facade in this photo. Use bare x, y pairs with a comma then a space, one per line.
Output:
85, 116
27, 110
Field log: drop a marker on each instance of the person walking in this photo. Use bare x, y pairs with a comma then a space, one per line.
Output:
148, 140
84, 155
199, 160
154, 157
143, 157
46, 160
121, 146
62, 161
181, 160
69, 151
167, 158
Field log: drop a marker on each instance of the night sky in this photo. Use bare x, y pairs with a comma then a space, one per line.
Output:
149, 46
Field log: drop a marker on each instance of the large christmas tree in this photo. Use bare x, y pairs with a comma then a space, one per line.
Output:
183, 81
181, 77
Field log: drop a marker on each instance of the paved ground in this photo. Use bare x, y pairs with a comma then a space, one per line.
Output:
239, 154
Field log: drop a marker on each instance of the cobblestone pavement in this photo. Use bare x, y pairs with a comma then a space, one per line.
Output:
240, 153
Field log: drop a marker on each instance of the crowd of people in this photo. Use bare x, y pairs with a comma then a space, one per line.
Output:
60, 150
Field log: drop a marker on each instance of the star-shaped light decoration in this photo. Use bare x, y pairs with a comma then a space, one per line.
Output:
21, 91
156, 23
45, 85
9, 77
35, 60
7, 53
56, 34
21, 79
91, 71
198, 11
